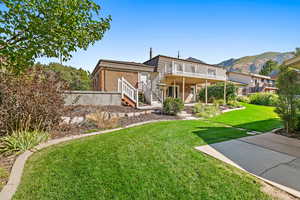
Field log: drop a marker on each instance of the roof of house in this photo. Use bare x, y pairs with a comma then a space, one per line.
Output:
122, 65
293, 62
184, 60
251, 74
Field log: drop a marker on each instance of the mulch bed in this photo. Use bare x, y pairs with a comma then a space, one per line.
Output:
290, 135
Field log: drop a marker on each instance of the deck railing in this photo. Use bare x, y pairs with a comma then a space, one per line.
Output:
195, 71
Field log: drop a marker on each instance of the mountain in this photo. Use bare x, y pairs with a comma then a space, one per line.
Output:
254, 63
195, 60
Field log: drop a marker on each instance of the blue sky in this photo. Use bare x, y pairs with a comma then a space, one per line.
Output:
210, 30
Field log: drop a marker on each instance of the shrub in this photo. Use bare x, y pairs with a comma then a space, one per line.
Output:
243, 99
20, 141
172, 106
266, 99
233, 104
206, 110
217, 92
103, 120
31, 101
219, 102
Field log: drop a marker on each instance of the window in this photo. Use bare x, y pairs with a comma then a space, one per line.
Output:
211, 72
178, 67
193, 69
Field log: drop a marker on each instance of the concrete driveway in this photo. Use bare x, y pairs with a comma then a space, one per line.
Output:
269, 156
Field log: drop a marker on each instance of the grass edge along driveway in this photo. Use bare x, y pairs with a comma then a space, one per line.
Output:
154, 161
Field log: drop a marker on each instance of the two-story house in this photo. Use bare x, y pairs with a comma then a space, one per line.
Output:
157, 78
252, 83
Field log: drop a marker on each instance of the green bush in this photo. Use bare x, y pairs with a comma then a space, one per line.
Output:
20, 141
206, 111
243, 99
219, 102
172, 106
266, 99
233, 104
217, 92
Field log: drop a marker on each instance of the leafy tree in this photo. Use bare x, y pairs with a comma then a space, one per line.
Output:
77, 79
288, 84
297, 52
268, 67
47, 28
215, 92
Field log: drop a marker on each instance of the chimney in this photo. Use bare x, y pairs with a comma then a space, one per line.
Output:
150, 53
178, 56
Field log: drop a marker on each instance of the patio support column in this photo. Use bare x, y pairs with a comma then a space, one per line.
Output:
225, 88
205, 91
195, 98
183, 88
174, 88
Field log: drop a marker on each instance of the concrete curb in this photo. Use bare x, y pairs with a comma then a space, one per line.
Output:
17, 170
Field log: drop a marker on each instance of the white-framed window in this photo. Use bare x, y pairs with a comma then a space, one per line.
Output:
179, 67
212, 72
193, 68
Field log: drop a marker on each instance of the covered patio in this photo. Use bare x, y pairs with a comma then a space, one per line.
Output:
187, 88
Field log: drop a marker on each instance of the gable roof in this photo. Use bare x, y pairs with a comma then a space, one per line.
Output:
122, 65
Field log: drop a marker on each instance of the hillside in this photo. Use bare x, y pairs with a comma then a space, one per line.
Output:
78, 79
254, 63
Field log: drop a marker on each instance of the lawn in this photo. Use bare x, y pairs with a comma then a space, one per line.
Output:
254, 117
154, 161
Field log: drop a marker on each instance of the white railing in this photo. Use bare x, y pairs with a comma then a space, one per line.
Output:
127, 89
180, 69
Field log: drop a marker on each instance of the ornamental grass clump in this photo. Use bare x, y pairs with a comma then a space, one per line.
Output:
20, 141
103, 120
206, 110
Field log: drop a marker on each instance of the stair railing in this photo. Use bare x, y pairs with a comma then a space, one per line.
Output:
125, 88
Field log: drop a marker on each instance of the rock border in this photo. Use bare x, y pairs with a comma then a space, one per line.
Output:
17, 170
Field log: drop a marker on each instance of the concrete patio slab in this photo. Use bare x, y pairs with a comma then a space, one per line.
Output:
275, 142
250, 157
272, 158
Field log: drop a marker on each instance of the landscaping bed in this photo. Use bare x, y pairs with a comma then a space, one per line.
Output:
290, 135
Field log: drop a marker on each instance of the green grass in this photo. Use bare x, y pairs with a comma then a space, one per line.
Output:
254, 117
154, 161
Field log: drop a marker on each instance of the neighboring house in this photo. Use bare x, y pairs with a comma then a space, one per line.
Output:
294, 62
252, 83
157, 78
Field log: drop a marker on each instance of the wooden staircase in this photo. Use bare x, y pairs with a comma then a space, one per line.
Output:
128, 102
129, 93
